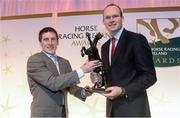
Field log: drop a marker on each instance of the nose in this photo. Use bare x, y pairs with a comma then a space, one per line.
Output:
111, 19
50, 41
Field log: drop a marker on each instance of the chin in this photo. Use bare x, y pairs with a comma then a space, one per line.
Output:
52, 52
114, 30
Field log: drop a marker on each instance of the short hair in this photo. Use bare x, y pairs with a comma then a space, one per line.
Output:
121, 12
45, 30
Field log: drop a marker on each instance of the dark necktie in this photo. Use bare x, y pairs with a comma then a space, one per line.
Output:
113, 47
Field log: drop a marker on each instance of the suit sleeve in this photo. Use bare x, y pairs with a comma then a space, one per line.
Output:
74, 90
37, 70
145, 71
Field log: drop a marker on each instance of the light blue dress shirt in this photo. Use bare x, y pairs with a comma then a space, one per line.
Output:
53, 57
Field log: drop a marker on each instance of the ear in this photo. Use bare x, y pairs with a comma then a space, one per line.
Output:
40, 44
122, 17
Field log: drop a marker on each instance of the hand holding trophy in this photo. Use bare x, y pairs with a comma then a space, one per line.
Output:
93, 54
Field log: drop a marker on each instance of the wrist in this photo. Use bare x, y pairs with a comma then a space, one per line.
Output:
83, 94
123, 93
80, 73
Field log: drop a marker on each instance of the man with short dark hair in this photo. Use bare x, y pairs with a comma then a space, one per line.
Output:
50, 77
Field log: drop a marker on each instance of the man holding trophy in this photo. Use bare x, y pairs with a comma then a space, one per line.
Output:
129, 68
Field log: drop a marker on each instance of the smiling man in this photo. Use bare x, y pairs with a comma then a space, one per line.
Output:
130, 68
50, 77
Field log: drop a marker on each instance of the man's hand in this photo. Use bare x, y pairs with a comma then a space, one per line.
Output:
85, 92
95, 77
113, 92
90, 66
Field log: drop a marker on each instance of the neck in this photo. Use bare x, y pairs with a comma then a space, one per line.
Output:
114, 33
49, 53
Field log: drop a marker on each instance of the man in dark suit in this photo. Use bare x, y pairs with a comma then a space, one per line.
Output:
51, 76
128, 62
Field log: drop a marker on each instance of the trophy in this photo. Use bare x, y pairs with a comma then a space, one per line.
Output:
93, 54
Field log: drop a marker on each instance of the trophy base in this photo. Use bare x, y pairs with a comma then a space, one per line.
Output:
96, 90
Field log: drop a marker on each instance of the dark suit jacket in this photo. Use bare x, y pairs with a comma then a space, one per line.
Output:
132, 68
48, 88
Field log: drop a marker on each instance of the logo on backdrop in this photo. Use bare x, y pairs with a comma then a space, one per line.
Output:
78, 36
164, 39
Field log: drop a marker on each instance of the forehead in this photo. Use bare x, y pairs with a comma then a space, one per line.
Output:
48, 34
111, 10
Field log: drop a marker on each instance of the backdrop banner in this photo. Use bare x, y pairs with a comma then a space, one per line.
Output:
19, 40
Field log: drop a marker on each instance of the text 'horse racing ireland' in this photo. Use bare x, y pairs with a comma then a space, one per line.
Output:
93, 53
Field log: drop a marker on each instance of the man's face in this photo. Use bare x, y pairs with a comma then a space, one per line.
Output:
49, 42
112, 19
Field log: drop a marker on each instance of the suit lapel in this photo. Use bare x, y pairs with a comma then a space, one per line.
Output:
106, 54
50, 64
61, 66
120, 47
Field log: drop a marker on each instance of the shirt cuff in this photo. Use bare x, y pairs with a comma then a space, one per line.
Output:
80, 73
82, 95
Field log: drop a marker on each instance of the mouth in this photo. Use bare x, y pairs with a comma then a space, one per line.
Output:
112, 25
51, 47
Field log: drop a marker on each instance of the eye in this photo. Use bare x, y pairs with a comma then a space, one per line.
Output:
53, 38
115, 16
107, 17
45, 39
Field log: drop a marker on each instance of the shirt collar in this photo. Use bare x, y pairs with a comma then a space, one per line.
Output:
49, 54
118, 34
